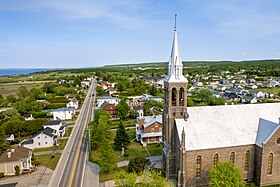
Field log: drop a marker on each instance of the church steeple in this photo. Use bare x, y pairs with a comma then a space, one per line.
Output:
175, 66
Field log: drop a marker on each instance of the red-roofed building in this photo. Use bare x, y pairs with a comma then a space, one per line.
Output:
110, 108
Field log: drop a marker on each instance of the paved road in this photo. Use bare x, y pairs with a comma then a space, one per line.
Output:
71, 166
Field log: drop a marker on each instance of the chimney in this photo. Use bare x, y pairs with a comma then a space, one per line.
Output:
9, 154
13, 150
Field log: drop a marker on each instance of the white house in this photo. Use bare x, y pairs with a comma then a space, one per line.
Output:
28, 117
63, 113
73, 104
57, 125
46, 138
257, 93
146, 97
109, 99
16, 156
85, 83
248, 99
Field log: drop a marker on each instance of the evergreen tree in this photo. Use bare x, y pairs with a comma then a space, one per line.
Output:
122, 138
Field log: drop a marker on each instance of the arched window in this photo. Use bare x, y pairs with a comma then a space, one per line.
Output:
269, 164
174, 95
247, 160
198, 165
216, 158
181, 97
232, 157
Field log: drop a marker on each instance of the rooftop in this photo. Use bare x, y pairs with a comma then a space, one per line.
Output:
231, 125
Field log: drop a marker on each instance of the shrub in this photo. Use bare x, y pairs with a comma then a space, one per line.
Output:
17, 170
2, 175
137, 164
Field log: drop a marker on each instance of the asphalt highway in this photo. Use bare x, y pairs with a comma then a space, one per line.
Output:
71, 166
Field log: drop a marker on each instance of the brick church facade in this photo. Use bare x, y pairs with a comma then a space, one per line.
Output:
196, 138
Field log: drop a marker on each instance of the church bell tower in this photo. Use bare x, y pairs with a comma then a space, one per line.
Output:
175, 106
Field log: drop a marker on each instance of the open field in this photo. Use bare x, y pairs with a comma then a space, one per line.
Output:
12, 88
126, 123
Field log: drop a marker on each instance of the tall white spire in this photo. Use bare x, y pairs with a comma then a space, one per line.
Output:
175, 66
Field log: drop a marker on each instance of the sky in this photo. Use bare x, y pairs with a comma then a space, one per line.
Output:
92, 33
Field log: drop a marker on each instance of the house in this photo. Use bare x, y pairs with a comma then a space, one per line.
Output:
106, 85
110, 108
16, 156
108, 99
252, 86
73, 104
85, 83
231, 96
148, 128
71, 96
257, 93
249, 99
63, 113
46, 138
147, 97
28, 117
199, 84
58, 125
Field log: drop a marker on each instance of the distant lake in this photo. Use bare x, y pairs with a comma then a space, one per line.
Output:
18, 71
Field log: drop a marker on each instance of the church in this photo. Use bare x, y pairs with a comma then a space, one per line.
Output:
195, 138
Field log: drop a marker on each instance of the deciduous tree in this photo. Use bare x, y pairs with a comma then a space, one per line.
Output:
225, 174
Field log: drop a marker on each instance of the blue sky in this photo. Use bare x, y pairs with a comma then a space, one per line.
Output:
90, 33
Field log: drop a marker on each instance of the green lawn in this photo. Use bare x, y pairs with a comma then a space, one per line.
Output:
68, 131
274, 90
126, 123
133, 150
48, 161
110, 175
155, 149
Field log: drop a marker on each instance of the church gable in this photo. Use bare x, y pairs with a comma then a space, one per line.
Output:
266, 129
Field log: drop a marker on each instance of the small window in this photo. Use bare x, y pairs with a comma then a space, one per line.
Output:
153, 130
232, 157
216, 158
45, 136
247, 160
46, 142
174, 113
278, 140
198, 166
160, 129
270, 164
38, 137
39, 143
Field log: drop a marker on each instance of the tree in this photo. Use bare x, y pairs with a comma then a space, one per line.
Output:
11, 99
3, 143
100, 130
152, 107
123, 110
121, 138
108, 159
125, 179
154, 179
153, 90
225, 174
137, 164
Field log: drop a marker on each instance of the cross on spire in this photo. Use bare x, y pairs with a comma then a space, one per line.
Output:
175, 25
